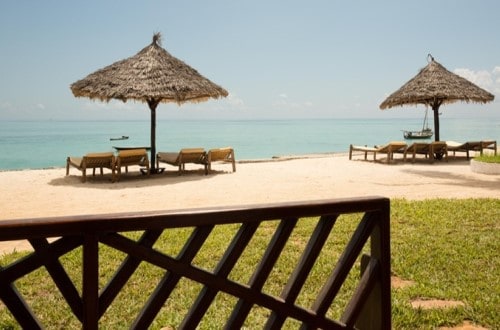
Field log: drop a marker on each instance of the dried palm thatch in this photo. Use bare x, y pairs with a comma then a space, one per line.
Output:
433, 86
152, 76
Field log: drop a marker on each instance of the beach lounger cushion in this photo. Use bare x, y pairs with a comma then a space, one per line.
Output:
224, 155
92, 161
469, 146
432, 151
457, 147
389, 149
131, 157
183, 157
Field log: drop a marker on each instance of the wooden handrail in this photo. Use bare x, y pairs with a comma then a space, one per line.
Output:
369, 306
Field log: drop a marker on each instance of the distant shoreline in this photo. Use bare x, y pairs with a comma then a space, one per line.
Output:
35, 145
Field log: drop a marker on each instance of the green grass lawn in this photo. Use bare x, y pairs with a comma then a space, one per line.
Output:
488, 158
448, 248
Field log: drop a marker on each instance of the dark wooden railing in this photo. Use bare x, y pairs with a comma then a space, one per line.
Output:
369, 305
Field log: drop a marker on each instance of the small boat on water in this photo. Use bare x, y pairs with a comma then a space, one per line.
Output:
123, 137
425, 133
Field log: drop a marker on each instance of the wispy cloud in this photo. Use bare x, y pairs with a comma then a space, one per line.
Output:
6, 105
234, 100
489, 80
284, 101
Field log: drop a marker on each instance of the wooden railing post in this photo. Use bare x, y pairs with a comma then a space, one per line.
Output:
376, 312
90, 290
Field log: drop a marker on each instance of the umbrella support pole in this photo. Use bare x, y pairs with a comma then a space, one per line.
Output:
435, 110
152, 106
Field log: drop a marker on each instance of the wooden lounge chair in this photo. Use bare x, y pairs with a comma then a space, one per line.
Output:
389, 149
225, 155
183, 157
131, 157
433, 150
92, 161
489, 144
469, 146
458, 147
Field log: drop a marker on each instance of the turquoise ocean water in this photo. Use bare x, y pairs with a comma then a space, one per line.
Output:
45, 144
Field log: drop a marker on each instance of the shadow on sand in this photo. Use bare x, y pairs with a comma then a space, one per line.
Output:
458, 180
133, 179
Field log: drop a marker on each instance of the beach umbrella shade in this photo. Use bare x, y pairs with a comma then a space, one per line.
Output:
152, 76
433, 86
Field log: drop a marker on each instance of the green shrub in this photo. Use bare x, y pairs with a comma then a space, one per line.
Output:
488, 158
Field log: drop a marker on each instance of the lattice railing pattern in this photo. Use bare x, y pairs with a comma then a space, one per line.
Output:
368, 305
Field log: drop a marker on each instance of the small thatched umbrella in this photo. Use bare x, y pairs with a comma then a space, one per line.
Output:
433, 86
151, 76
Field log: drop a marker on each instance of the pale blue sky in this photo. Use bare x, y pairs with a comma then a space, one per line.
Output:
277, 59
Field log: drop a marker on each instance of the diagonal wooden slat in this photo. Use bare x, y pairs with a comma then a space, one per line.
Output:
259, 277
32, 261
125, 271
17, 306
304, 266
13, 299
170, 280
226, 264
59, 275
358, 301
344, 265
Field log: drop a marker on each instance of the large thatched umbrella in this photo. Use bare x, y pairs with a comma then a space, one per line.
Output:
151, 76
433, 86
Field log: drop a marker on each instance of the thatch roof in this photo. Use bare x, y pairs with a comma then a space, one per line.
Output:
152, 75
434, 84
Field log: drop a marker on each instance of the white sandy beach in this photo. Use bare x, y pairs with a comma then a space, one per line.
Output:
48, 192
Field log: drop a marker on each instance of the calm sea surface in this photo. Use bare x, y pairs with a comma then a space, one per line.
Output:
30, 145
